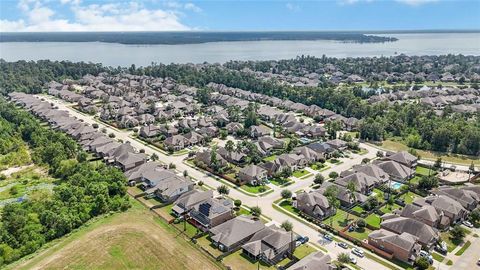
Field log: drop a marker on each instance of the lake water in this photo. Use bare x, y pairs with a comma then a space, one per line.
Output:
124, 55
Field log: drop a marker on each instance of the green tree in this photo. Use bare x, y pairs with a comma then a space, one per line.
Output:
333, 175
287, 226
457, 233
286, 194
319, 179
343, 258
223, 190
422, 263
256, 211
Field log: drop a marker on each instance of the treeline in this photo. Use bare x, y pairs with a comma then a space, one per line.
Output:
189, 37
421, 128
29, 77
367, 67
84, 190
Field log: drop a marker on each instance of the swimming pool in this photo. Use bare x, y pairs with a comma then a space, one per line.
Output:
396, 185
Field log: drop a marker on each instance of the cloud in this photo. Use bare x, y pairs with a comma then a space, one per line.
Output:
125, 16
192, 7
416, 2
292, 7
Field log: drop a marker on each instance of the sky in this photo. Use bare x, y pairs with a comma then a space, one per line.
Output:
231, 15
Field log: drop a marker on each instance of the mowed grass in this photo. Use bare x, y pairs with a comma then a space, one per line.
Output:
135, 239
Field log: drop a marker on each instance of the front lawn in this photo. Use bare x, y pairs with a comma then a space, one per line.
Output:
373, 220
445, 236
254, 189
437, 257
280, 181
301, 173
318, 166
287, 205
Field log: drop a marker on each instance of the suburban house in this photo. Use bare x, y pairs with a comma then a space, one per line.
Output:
235, 232
258, 131
403, 158
164, 184
135, 175
176, 142
426, 214
397, 171
235, 157
270, 245
129, 160
427, 236
403, 247
469, 199
322, 148
149, 131
211, 213
343, 195
188, 200
205, 157
337, 144
363, 183
252, 174
371, 170
452, 209
234, 127
314, 204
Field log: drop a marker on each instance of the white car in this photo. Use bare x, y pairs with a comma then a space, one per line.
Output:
358, 252
353, 259
467, 223
426, 255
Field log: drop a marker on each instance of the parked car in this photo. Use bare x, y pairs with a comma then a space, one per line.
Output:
426, 255
358, 252
303, 239
441, 247
328, 237
353, 259
467, 223
343, 245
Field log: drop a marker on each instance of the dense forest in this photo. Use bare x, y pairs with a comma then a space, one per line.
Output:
417, 125
189, 37
84, 189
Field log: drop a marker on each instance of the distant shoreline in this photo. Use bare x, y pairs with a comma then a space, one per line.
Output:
177, 38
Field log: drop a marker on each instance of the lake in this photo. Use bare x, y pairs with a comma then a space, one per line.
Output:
113, 54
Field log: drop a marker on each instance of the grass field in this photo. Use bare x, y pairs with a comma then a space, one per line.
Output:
135, 239
430, 155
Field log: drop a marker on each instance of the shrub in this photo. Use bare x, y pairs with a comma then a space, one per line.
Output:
333, 175
286, 194
237, 203
111, 135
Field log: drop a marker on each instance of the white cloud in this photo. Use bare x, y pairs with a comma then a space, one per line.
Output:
416, 2
192, 7
292, 7
126, 16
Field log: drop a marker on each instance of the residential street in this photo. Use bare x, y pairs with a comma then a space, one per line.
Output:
265, 202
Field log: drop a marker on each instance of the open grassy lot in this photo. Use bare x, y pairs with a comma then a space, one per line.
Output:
135, 239
303, 251
430, 155
360, 233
